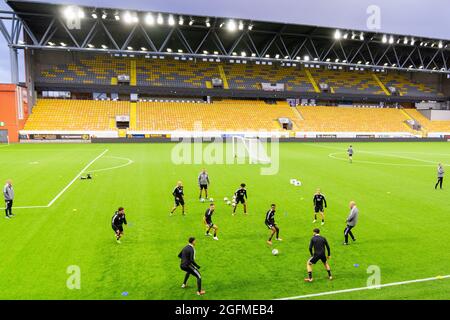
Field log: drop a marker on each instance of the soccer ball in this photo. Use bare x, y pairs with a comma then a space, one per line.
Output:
229, 202
225, 199
298, 183
211, 199
275, 252
293, 181
234, 197
233, 204
202, 200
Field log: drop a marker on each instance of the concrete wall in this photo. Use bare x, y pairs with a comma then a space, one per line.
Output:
9, 109
436, 115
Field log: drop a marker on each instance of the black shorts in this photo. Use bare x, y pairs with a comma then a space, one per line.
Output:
350, 155
318, 209
203, 187
179, 202
240, 200
117, 228
270, 225
315, 258
209, 223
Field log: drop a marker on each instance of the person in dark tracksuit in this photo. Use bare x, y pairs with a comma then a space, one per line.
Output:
317, 248
270, 223
240, 196
117, 222
178, 194
352, 220
440, 176
8, 194
203, 183
188, 264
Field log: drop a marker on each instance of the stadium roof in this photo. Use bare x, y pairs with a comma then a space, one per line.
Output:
108, 30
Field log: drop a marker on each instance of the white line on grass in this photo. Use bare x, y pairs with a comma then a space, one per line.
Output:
66, 187
392, 284
129, 161
76, 178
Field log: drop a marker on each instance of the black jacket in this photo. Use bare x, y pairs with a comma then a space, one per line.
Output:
187, 257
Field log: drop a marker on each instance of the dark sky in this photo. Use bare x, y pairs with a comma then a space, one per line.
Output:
429, 18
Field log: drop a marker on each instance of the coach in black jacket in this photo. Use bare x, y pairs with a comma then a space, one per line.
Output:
188, 264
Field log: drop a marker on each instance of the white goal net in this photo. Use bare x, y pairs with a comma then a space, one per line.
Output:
251, 148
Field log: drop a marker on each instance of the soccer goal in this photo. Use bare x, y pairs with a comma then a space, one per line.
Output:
251, 148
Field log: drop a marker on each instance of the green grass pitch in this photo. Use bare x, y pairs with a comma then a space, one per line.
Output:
404, 223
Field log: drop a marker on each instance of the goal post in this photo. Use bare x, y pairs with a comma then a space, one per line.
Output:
251, 148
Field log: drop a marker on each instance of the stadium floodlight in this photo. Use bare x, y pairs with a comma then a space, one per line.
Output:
90, 45
344, 61
104, 46
180, 51
410, 66
385, 64
337, 60
432, 45
421, 67
129, 18
413, 41
216, 53
440, 45
130, 48
51, 43
231, 25
207, 23
316, 59
205, 51
72, 12
306, 58
391, 39
143, 49
63, 44
353, 36
234, 54
337, 34
160, 19
361, 36
359, 62
191, 22
149, 19
425, 44
250, 27
277, 56
104, 15
394, 65
367, 63
267, 55
94, 15
169, 50
171, 20
286, 57
384, 39
345, 36
180, 20
243, 54
328, 60
253, 54
241, 26
405, 41
117, 16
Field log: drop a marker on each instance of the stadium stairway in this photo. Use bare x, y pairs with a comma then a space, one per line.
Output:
382, 86
224, 77
312, 80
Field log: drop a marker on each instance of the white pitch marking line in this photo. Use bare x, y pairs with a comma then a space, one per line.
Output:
392, 284
76, 178
116, 167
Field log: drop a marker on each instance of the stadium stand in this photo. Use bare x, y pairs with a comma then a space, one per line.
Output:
405, 86
349, 119
73, 115
428, 125
221, 115
103, 70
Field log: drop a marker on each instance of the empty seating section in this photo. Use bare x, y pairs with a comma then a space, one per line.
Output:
173, 73
99, 70
427, 124
348, 119
406, 86
250, 76
73, 115
347, 81
103, 69
230, 115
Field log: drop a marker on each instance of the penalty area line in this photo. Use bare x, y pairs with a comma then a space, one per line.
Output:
392, 284
76, 178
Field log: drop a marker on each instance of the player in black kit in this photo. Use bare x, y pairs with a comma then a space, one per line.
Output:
208, 221
270, 223
319, 202
179, 197
317, 248
117, 221
240, 197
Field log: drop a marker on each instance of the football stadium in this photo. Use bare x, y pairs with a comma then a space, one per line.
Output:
255, 159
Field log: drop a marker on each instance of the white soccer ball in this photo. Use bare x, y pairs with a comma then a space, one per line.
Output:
211, 199
293, 181
234, 204
229, 202
298, 183
234, 197
202, 200
225, 199
275, 252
